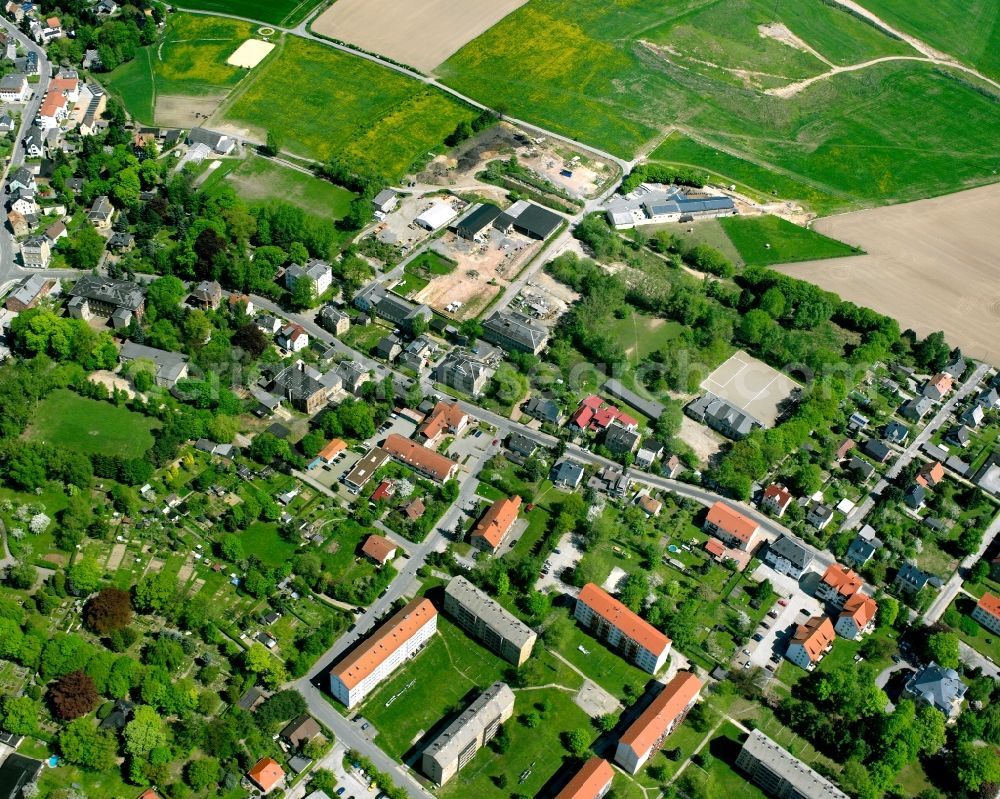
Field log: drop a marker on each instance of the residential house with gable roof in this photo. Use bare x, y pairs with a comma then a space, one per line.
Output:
644, 736
810, 642
857, 618
838, 585
732, 527
633, 638
987, 612
495, 525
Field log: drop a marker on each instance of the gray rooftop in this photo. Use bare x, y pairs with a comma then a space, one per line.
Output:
489, 611
517, 327
803, 779
648, 407
469, 726
121, 293
786, 548
937, 686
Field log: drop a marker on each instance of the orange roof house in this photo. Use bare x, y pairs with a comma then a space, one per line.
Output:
266, 774
333, 448
590, 782
810, 642
149, 793
938, 386
715, 547
857, 617
777, 498
732, 526
424, 460
987, 612
838, 585
379, 549
491, 530
414, 510
931, 474
445, 417
646, 733
353, 677
610, 621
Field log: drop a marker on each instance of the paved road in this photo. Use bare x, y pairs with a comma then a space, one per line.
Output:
8, 250
951, 588
944, 412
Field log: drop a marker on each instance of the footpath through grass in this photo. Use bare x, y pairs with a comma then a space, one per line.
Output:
64, 419
767, 240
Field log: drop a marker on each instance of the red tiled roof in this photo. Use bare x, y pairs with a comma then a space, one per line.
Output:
379, 548
595, 413
815, 636
650, 505
731, 521
267, 773
589, 781
497, 521
332, 448
779, 494
990, 604
149, 793
942, 382
380, 646
715, 547
845, 446
845, 583
861, 608
383, 491
614, 612
413, 454
415, 509
931, 474
662, 713
444, 416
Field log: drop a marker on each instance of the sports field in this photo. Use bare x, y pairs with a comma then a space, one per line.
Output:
258, 179
767, 240
325, 102
277, 12
186, 72
751, 385
605, 73
64, 419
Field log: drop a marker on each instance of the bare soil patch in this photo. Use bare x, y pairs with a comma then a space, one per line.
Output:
181, 111
250, 53
419, 33
931, 264
117, 555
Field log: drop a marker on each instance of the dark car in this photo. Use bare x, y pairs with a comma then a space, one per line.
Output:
340, 790
758, 637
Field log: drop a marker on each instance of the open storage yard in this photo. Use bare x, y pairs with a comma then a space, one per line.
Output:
419, 33
930, 264
618, 76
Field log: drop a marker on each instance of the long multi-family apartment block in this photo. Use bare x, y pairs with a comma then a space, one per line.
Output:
646, 734
592, 781
466, 735
361, 672
608, 620
485, 619
780, 774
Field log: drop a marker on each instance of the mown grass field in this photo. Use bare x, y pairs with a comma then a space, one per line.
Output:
67, 420
327, 103
641, 335
190, 61
969, 30
788, 242
275, 12
258, 180
891, 132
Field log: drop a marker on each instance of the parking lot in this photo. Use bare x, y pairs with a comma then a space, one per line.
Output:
782, 626
565, 556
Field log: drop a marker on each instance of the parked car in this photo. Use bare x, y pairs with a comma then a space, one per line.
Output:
783, 602
758, 637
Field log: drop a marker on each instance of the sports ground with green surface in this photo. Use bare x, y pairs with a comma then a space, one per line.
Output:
65, 419
325, 102
277, 12
787, 242
603, 73
257, 180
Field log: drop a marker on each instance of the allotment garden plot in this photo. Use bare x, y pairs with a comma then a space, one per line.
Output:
418, 33
751, 385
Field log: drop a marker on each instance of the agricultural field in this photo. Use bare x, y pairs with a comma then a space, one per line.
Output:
768, 240
183, 74
258, 180
64, 419
605, 74
275, 12
324, 102
930, 265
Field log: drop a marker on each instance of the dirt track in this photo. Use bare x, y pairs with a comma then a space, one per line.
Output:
419, 33
931, 264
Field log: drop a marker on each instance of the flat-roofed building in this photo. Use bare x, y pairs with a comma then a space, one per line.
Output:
646, 734
592, 781
608, 620
400, 638
780, 774
487, 621
363, 470
470, 732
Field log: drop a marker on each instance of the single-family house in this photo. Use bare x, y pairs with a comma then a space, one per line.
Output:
266, 775
916, 409
896, 433
299, 731
18, 224
915, 497
544, 410
620, 439
861, 467
776, 499
101, 213
939, 688
293, 338
732, 527
379, 550
446, 417
389, 347
844, 448
651, 507
864, 546
819, 515
930, 474
911, 579
334, 320
207, 295
567, 474
35, 252
973, 415
876, 450
938, 386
